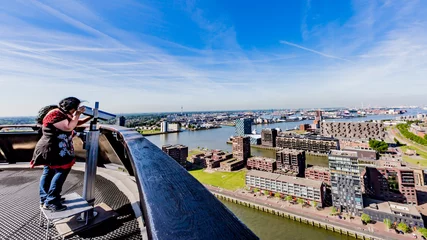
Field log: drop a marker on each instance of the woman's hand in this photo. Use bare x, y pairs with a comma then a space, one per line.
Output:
81, 110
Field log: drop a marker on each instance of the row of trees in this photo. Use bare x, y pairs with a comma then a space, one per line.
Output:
404, 130
288, 198
379, 146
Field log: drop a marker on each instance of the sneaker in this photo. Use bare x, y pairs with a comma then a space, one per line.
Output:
42, 205
56, 208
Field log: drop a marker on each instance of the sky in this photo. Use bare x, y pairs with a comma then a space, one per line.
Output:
158, 55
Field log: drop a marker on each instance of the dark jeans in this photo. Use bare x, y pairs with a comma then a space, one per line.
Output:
51, 183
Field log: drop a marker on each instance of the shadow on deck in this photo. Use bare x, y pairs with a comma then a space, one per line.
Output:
19, 207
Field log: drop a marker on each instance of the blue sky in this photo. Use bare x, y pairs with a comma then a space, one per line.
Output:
150, 56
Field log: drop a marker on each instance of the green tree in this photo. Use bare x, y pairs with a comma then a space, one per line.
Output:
334, 211
423, 232
300, 201
266, 192
315, 204
277, 195
387, 223
366, 218
403, 227
379, 146
255, 190
288, 198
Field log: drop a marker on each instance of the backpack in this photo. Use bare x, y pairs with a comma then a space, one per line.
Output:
43, 112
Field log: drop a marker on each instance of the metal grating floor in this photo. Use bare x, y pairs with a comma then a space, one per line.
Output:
19, 207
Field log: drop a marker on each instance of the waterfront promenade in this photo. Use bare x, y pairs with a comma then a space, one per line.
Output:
374, 231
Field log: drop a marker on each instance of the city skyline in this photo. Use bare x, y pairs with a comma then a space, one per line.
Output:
150, 56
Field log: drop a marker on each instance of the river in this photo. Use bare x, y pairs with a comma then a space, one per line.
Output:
267, 226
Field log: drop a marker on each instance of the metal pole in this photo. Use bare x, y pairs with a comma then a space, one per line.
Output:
92, 145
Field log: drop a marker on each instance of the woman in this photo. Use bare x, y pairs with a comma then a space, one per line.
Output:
55, 149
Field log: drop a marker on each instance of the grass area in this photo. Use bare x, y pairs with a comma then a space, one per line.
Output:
149, 131
226, 180
421, 160
193, 152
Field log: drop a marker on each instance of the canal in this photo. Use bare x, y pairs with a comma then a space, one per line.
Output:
271, 227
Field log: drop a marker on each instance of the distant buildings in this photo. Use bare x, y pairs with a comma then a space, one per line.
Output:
243, 126
178, 152
319, 174
164, 126
268, 137
353, 130
241, 148
307, 143
261, 163
291, 161
345, 182
306, 189
174, 127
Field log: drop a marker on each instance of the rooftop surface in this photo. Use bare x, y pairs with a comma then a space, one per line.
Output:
285, 178
340, 153
271, 160
390, 207
19, 197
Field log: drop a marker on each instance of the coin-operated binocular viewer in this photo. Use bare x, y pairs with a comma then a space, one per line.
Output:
91, 144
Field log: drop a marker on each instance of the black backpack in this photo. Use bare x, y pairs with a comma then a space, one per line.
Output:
43, 112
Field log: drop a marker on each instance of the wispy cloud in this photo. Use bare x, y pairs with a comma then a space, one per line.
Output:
313, 51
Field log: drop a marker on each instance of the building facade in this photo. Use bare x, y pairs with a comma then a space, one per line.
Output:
174, 127
395, 212
164, 126
319, 174
291, 161
406, 179
306, 189
268, 137
307, 143
353, 130
241, 148
243, 126
178, 152
262, 164
345, 182
231, 165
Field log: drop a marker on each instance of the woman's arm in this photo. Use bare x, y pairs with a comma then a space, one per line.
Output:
84, 120
68, 126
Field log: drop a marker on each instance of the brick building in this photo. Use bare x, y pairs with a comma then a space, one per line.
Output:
178, 152
214, 158
231, 165
291, 160
307, 143
241, 148
407, 185
353, 130
319, 174
261, 163
268, 137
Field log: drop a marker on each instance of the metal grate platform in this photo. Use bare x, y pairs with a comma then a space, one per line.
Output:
19, 207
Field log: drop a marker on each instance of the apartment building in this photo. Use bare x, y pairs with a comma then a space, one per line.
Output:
345, 182
241, 148
231, 165
178, 152
406, 179
243, 126
319, 174
307, 143
268, 137
353, 130
291, 161
262, 164
306, 189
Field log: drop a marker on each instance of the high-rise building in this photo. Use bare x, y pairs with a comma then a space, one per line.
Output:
241, 148
164, 126
291, 161
319, 116
345, 182
407, 185
178, 152
174, 127
268, 137
243, 126
121, 121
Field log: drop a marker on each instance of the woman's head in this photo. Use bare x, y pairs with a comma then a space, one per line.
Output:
69, 104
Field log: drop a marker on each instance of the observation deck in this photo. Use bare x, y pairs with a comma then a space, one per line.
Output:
153, 196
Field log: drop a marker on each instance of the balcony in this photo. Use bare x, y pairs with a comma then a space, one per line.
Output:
168, 202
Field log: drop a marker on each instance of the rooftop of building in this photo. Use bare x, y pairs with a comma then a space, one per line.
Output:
270, 160
232, 160
285, 178
309, 137
170, 146
318, 168
341, 153
289, 150
390, 207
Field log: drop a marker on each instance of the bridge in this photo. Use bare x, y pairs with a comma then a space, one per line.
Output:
135, 178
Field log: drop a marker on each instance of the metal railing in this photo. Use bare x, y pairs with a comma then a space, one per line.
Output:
174, 204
